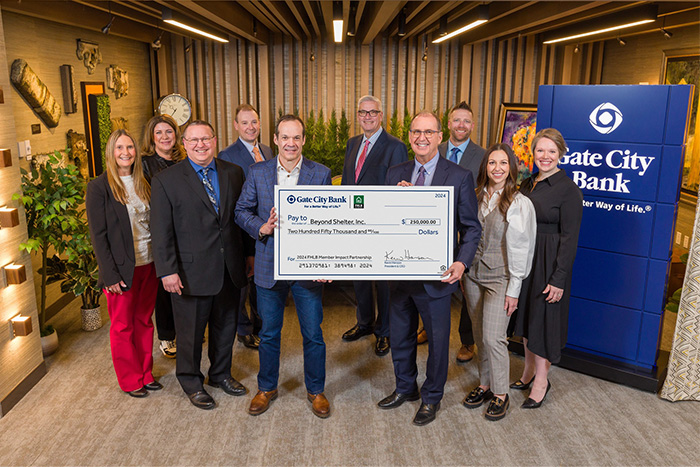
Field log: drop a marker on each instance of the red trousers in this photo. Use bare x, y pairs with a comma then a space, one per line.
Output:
131, 329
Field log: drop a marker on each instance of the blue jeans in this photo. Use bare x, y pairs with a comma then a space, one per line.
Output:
310, 313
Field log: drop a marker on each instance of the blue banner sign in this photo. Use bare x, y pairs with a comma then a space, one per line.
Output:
625, 152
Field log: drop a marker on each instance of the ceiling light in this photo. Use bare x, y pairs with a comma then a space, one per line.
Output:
156, 43
351, 19
621, 41
105, 30
576, 49
667, 33
169, 17
337, 22
479, 17
402, 23
623, 20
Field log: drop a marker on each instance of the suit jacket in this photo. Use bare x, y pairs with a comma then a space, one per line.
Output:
110, 233
255, 203
189, 237
238, 154
471, 159
466, 214
386, 152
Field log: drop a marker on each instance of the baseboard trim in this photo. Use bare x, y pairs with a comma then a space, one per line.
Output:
22, 389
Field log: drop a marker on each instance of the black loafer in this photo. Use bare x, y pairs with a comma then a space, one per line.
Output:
520, 386
355, 333
532, 404
251, 341
140, 392
426, 414
476, 398
395, 399
154, 386
202, 400
382, 347
230, 386
497, 408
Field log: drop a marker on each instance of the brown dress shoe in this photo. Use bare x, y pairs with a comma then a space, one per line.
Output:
319, 405
465, 353
422, 337
261, 402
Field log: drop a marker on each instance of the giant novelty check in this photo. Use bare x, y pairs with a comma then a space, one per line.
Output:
363, 232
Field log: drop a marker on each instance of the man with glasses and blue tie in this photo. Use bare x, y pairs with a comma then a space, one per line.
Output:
367, 158
200, 255
461, 150
429, 299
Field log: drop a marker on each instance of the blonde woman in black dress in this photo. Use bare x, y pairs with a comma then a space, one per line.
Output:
543, 312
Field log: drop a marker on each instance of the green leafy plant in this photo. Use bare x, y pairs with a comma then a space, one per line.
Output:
104, 121
52, 196
674, 301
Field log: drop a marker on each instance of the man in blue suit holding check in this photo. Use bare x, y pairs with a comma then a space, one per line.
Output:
245, 152
256, 214
429, 299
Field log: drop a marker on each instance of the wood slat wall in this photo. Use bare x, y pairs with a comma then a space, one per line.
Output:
283, 76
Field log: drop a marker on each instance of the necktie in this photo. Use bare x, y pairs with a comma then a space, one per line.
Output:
209, 188
361, 160
420, 181
453, 155
258, 156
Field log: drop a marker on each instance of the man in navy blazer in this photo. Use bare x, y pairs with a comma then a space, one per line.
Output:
245, 152
367, 158
200, 255
429, 299
461, 150
256, 214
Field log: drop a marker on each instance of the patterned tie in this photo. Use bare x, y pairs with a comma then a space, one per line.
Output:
453, 155
209, 188
420, 181
258, 156
361, 160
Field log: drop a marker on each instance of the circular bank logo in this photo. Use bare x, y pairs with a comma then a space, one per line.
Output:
291, 199
605, 118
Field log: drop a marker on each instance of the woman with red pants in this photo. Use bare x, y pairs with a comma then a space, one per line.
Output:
118, 211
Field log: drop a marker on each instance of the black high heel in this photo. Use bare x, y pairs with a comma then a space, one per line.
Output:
531, 404
520, 386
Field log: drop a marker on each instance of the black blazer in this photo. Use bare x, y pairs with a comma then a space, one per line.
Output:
189, 237
386, 152
110, 232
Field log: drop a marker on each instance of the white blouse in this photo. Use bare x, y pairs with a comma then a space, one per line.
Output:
140, 219
520, 236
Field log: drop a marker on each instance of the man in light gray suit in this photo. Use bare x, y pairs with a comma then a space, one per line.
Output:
461, 150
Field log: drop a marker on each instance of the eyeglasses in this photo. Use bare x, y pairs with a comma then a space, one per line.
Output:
427, 133
195, 141
364, 113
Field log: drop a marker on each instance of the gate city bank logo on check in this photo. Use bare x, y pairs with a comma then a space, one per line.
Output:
318, 201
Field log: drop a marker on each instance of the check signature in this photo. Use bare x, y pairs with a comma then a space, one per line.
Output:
406, 256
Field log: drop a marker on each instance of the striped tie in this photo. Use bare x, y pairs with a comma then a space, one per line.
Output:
209, 188
453, 155
361, 161
420, 181
258, 156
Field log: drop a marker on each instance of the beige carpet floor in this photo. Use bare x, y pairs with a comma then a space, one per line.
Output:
76, 415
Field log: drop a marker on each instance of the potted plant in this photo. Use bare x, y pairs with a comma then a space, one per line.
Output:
52, 195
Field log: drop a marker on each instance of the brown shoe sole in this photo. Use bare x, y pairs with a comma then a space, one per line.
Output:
264, 409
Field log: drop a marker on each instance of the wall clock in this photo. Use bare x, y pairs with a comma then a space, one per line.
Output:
177, 106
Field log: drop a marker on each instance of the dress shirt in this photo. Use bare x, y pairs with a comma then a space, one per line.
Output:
250, 147
212, 176
520, 236
372, 139
140, 220
429, 170
285, 178
462, 147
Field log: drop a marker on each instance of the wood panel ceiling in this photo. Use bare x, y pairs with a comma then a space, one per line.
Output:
259, 20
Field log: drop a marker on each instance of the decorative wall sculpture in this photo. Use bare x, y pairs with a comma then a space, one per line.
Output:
89, 53
120, 123
35, 93
78, 152
118, 81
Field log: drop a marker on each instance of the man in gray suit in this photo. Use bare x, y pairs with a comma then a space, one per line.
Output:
245, 152
461, 150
